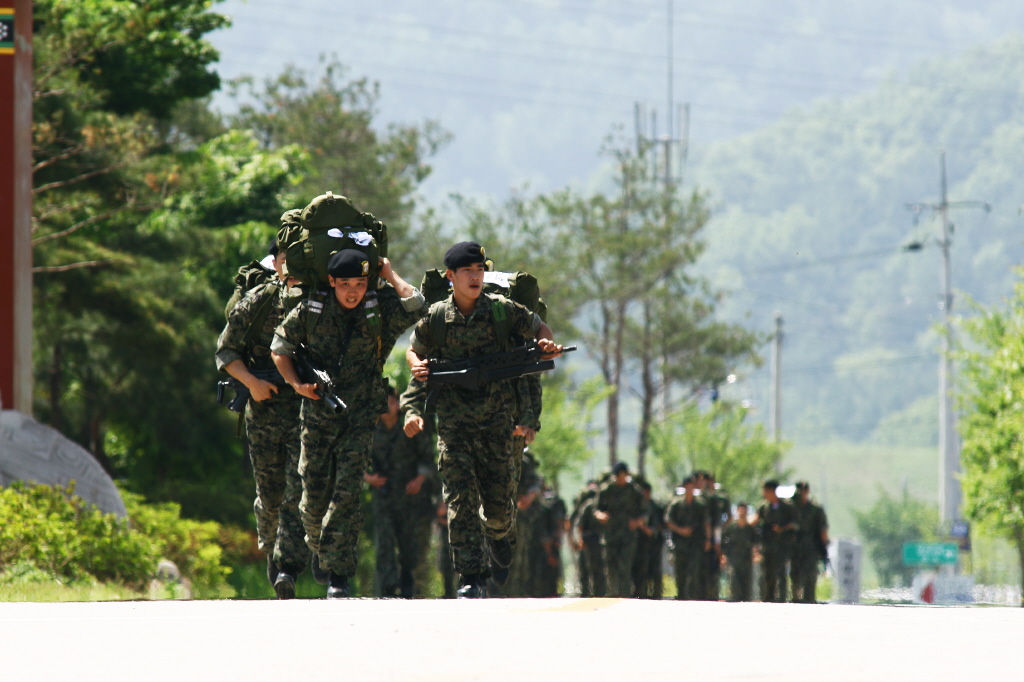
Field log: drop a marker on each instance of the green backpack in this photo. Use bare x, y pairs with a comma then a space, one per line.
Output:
327, 225
521, 287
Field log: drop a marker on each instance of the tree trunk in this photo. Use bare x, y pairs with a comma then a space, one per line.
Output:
650, 393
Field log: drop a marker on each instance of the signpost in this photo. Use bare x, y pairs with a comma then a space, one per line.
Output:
930, 553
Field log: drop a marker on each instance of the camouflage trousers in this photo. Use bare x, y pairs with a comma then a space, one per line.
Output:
520, 574
592, 573
618, 561
396, 541
477, 469
803, 575
335, 454
687, 558
272, 430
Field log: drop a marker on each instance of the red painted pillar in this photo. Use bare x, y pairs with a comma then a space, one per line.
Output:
16, 205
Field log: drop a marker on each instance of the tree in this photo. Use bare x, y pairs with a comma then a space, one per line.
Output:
992, 424
719, 439
888, 525
333, 119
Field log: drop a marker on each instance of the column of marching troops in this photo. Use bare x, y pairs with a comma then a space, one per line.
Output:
323, 425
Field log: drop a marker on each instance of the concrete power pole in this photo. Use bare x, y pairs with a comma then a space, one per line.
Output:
776, 379
950, 496
16, 205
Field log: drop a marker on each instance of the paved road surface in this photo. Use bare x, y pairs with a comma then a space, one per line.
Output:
526, 640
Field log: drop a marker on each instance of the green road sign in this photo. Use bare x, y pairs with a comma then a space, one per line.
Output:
930, 553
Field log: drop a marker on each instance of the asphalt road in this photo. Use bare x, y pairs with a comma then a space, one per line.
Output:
505, 639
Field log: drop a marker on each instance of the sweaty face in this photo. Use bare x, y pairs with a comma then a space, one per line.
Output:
468, 282
348, 290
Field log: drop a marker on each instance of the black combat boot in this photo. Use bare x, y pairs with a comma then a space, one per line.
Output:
408, 588
473, 587
337, 587
284, 584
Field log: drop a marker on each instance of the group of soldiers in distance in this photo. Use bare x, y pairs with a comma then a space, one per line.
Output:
621, 536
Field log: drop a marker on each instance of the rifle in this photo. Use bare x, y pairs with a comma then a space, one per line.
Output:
475, 372
242, 393
311, 373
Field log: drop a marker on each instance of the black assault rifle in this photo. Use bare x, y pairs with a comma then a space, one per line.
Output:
311, 373
475, 372
242, 393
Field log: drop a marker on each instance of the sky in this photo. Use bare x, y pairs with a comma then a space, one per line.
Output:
530, 89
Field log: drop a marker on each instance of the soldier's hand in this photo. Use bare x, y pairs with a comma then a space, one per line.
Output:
420, 368
414, 486
550, 348
375, 480
413, 425
526, 432
307, 391
262, 390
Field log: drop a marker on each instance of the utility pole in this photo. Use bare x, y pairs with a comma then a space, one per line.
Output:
16, 205
776, 380
950, 496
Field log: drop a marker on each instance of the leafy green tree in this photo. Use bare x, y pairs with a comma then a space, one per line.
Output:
332, 118
888, 525
720, 440
993, 419
562, 444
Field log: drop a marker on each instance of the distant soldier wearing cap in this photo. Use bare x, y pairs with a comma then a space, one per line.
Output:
719, 512
400, 468
345, 331
271, 423
475, 426
593, 580
687, 517
776, 524
621, 509
738, 540
810, 544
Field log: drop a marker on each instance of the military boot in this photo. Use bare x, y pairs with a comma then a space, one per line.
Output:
284, 584
337, 587
473, 587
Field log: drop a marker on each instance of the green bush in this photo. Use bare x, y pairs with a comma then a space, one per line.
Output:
62, 535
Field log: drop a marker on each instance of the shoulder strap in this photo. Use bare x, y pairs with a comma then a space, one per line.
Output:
499, 314
437, 326
315, 303
262, 310
371, 305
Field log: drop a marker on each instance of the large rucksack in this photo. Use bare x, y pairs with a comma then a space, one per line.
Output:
521, 287
327, 225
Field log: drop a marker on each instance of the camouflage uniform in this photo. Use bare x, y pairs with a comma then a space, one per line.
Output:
591, 560
336, 447
476, 459
738, 547
271, 426
807, 547
549, 531
398, 516
776, 548
718, 507
647, 562
522, 572
687, 551
623, 503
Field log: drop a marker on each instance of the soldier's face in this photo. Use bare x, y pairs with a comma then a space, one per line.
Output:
468, 282
348, 290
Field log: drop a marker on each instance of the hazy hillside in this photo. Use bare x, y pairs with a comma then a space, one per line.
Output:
812, 214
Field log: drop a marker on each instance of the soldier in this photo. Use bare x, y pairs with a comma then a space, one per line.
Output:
588, 546
271, 424
687, 517
719, 512
345, 335
399, 470
475, 426
550, 530
738, 540
621, 510
650, 540
519, 582
776, 522
810, 544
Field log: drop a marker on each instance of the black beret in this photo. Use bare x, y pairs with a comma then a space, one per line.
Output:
803, 485
620, 467
348, 263
771, 484
272, 248
464, 254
